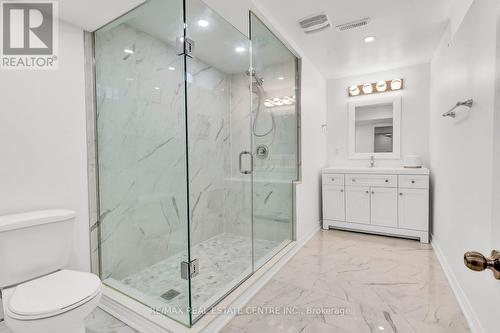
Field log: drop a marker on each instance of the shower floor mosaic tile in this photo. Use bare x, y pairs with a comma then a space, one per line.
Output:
224, 260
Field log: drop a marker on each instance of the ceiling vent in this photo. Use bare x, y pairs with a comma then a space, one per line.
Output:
353, 24
315, 23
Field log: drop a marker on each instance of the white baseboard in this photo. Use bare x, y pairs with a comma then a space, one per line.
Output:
139, 316
463, 301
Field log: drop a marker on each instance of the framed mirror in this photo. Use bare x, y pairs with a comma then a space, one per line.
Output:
375, 128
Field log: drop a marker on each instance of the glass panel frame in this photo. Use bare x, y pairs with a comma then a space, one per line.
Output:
276, 143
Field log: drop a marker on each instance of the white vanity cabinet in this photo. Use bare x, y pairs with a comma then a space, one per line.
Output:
391, 201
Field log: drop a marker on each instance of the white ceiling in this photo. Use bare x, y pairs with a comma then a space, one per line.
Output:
407, 32
214, 44
92, 14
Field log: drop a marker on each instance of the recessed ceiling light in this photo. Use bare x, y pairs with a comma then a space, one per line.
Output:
129, 51
157, 88
240, 49
369, 39
280, 78
203, 23
171, 68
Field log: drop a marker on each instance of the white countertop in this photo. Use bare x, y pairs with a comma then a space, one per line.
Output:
379, 170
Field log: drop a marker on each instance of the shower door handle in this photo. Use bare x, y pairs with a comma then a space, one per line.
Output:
245, 172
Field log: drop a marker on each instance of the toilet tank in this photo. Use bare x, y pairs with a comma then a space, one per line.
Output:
33, 244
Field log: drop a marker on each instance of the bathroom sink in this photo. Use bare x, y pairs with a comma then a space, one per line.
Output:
378, 170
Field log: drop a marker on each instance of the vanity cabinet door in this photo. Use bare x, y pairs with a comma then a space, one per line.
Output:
357, 201
333, 202
414, 209
384, 206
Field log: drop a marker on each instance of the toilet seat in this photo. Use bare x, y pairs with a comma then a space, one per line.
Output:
53, 294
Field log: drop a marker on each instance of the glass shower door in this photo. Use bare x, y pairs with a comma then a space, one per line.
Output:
219, 155
142, 157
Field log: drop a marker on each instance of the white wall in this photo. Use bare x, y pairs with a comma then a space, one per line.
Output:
461, 153
414, 114
308, 194
43, 140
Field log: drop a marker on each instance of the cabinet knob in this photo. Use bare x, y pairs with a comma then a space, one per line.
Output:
373, 192
333, 179
400, 193
354, 179
341, 191
387, 180
367, 192
413, 182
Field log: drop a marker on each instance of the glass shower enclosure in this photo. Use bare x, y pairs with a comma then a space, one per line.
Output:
196, 130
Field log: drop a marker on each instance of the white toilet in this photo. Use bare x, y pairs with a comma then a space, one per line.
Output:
38, 294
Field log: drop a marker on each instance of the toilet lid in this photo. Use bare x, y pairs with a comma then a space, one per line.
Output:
54, 293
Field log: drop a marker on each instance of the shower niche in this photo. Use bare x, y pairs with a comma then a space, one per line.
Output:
188, 206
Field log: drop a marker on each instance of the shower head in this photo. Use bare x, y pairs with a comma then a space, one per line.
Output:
258, 80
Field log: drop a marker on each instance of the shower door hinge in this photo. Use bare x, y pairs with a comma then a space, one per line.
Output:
184, 46
190, 269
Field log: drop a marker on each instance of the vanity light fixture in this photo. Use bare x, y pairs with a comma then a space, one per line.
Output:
375, 88
281, 78
171, 68
369, 39
129, 51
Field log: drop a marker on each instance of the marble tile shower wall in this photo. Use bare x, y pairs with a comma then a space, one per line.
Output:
142, 150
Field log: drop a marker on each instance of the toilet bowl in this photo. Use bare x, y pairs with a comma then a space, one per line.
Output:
55, 303
38, 294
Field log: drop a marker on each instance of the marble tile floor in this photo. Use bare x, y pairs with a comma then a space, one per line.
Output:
101, 322
347, 282
350, 282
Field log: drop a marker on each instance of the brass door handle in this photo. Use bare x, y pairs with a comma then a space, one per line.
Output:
477, 262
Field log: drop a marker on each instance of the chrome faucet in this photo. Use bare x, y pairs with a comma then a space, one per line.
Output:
372, 161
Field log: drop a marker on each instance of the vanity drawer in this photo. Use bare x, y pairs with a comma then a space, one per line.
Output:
333, 179
409, 181
372, 180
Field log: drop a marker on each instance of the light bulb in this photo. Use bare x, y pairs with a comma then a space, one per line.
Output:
367, 88
354, 90
396, 84
381, 86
